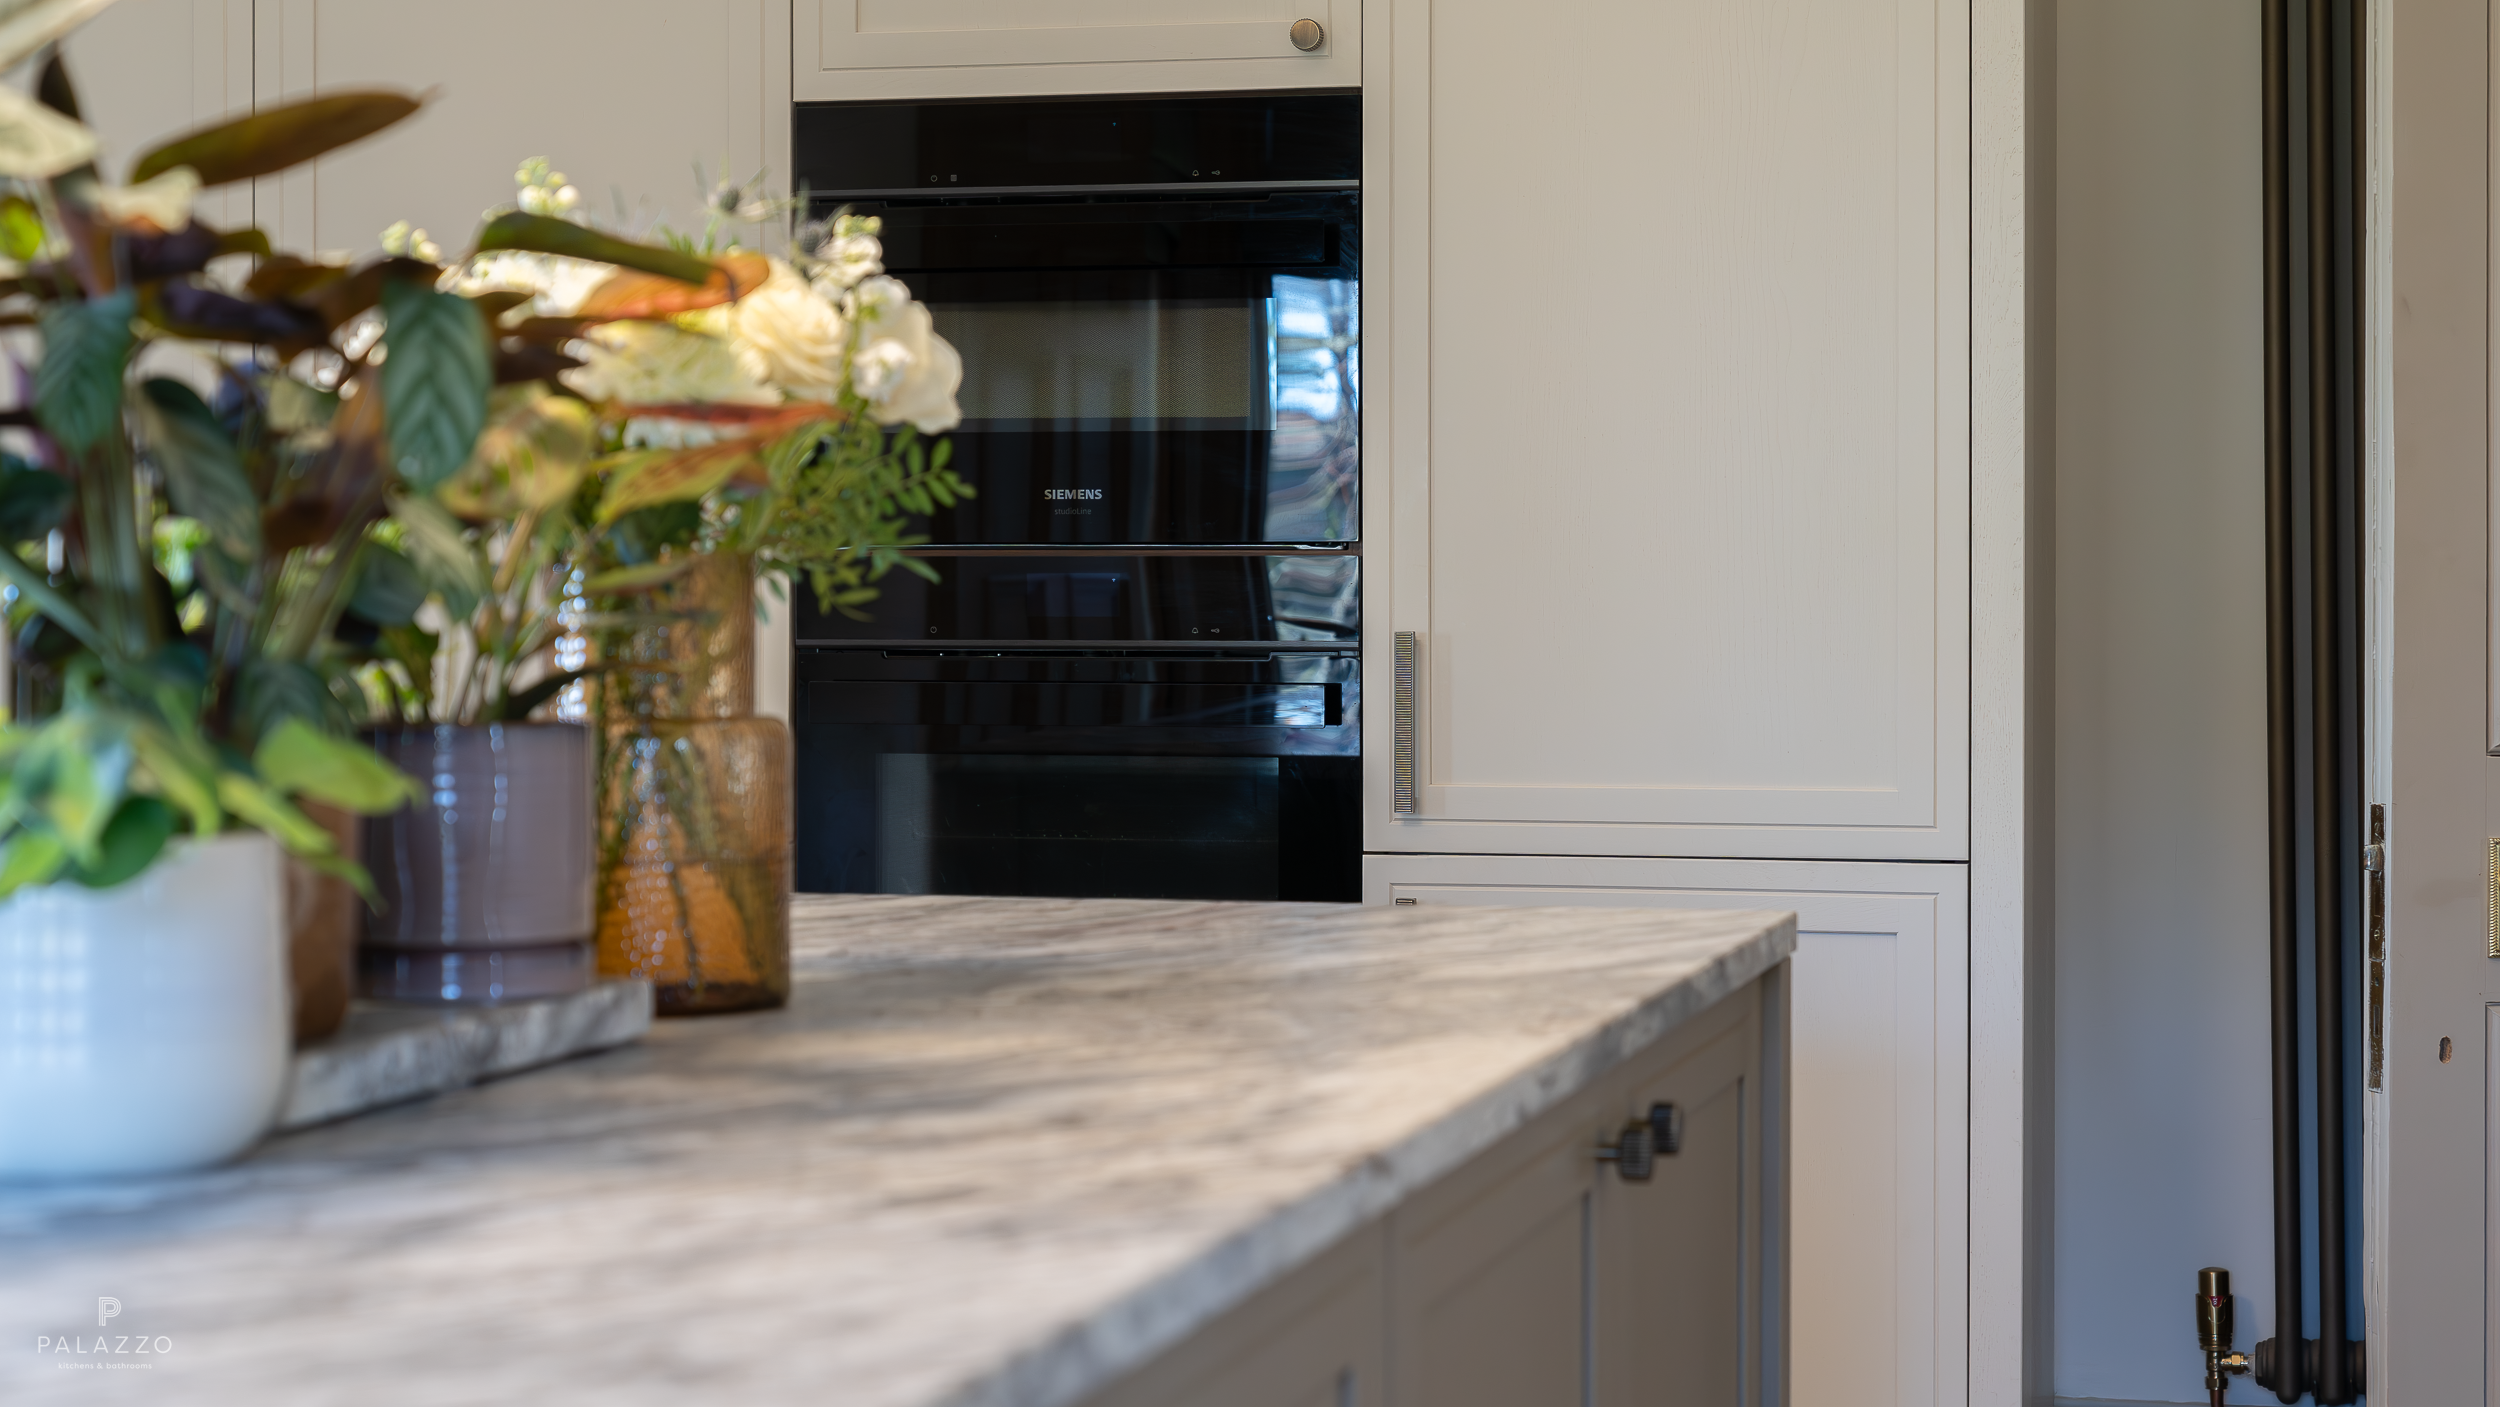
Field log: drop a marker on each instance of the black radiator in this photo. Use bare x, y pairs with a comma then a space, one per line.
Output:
2314, 186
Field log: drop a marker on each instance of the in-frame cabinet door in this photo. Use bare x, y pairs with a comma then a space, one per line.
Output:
1878, 1051
1667, 442
1316, 1338
1490, 1275
849, 49
1673, 1261
629, 98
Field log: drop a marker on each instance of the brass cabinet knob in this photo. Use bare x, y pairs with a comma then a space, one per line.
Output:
1307, 35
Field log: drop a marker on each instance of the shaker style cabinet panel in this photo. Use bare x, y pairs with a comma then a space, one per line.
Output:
1317, 1338
626, 97
1539, 1274
1668, 1257
1489, 1282
1879, 1077
1668, 330
997, 48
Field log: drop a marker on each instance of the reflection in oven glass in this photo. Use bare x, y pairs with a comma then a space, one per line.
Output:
1316, 370
1316, 598
1068, 365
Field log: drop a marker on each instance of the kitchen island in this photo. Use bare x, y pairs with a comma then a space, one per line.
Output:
1009, 1151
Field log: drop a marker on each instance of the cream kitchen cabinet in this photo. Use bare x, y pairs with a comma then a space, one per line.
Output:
997, 48
1667, 444
1879, 1056
627, 97
1536, 1273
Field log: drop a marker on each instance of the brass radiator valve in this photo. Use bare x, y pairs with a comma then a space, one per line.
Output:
2213, 1331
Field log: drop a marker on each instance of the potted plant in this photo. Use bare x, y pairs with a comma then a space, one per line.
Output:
211, 435
609, 532
488, 882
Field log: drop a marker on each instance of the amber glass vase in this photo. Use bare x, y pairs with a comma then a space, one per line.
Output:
694, 803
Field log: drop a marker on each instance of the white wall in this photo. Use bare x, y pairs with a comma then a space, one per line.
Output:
2162, 1126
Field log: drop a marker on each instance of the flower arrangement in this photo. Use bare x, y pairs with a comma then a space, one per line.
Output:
615, 516
773, 410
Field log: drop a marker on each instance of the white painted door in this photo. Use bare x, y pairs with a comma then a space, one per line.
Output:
2432, 1270
1879, 1067
993, 48
1667, 460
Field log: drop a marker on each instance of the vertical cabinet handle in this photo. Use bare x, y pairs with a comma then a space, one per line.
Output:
1402, 747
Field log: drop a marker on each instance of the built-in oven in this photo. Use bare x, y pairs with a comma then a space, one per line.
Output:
1156, 725
1135, 674
1156, 299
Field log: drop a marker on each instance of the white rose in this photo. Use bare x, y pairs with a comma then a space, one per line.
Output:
657, 363
903, 369
879, 369
788, 335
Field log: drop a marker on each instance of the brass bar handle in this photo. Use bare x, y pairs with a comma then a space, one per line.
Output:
1402, 747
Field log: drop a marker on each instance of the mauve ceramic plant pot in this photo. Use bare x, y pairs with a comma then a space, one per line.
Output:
487, 884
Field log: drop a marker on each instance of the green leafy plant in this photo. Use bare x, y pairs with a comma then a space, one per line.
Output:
226, 496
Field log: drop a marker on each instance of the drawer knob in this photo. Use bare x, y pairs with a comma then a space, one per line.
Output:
1307, 35
1636, 1151
1666, 1127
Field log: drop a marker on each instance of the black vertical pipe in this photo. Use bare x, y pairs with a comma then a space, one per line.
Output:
2282, 845
2326, 696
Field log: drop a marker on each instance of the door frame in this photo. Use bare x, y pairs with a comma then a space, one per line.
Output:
2428, 748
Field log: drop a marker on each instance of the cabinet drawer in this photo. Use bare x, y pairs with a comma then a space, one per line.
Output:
997, 48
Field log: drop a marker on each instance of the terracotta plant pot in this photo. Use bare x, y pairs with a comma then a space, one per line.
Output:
144, 1028
487, 884
323, 918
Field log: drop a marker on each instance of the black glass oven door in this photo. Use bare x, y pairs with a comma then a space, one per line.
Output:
1090, 773
1148, 598
1146, 371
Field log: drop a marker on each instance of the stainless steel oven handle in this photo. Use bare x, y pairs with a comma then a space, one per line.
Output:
1402, 748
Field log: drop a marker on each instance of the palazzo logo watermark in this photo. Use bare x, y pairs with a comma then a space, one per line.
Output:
105, 1349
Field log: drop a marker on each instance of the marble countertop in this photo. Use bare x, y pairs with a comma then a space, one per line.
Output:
996, 1151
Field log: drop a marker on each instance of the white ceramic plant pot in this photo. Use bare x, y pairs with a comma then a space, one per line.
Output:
145, 1028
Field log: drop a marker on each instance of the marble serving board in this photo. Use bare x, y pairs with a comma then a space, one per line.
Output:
995, 1153
386, 1055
